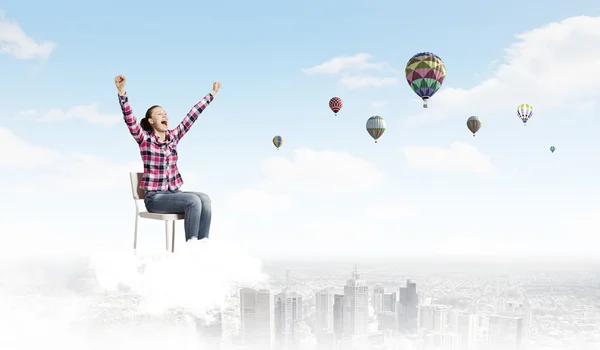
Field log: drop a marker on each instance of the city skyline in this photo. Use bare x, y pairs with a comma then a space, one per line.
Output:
500, 316
127, 302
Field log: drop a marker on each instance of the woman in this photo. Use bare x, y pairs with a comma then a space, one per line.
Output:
158, 148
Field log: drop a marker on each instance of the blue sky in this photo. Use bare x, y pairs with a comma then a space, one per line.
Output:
330, 190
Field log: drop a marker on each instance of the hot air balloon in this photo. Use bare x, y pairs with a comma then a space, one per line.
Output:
524, 112
336, 104
376, 127
278, 141
425, 74
474, 124
552, 149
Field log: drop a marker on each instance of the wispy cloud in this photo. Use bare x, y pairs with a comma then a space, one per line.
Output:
14, 41
352, 71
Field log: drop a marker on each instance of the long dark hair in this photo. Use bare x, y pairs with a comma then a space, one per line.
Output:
144, 123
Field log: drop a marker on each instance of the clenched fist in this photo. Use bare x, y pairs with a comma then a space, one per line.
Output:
120, 83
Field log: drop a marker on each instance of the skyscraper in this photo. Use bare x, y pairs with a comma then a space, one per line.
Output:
338, 315
256, 316
288, 316
324, 312
407, 309
378, 292
356, 306
446, 341
505, 332
434, 318
467, 329
388, 302
465, 325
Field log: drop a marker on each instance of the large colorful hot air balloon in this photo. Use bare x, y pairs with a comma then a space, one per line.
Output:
525, 112
376, 127
425, 73
474, 124
552, 149
278, 141
336, 104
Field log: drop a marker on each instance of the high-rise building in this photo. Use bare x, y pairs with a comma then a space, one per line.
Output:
407, 309
338, 315
505, 332
517, 306
434, 318
386, 321
378, 293
388, 302
288, 316
324, 312
438, 341
356, 306
257, 318
465, 325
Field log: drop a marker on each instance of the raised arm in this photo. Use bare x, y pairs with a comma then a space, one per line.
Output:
195, 112
132, 124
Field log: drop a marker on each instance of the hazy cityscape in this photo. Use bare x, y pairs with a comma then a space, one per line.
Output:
375, 307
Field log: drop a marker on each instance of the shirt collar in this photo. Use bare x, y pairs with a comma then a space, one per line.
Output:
157, 141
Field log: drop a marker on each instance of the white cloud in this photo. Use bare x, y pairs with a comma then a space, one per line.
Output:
258, 202
460, 157
24, 155
322, 173
307, 183
351, 71
392, 211
14, 41
345, 64
545, 68
71, 171
317, 174
89, 113
86, 172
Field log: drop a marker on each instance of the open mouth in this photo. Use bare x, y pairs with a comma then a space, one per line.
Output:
164, 122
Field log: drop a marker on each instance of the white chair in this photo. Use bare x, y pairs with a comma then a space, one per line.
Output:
138, 194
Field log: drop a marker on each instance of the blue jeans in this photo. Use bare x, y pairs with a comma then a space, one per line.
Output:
194, 205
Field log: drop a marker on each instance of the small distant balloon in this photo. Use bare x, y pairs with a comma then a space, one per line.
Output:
376, 127
336, 104
278, 141
474, 124
525, 112
552, 149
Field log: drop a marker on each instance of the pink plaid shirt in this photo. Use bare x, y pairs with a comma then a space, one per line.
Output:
160, 158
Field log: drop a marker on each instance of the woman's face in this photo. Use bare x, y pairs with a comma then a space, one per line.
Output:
159, 119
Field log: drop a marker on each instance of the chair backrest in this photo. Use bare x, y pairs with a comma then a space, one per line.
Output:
136, 191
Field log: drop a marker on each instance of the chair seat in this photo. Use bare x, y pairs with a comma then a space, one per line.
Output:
157, 216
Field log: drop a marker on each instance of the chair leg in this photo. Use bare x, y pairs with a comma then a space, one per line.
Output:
173, 238
167, 234
135, 231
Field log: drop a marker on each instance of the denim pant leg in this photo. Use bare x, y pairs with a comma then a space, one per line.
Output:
205, 214
177, 203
